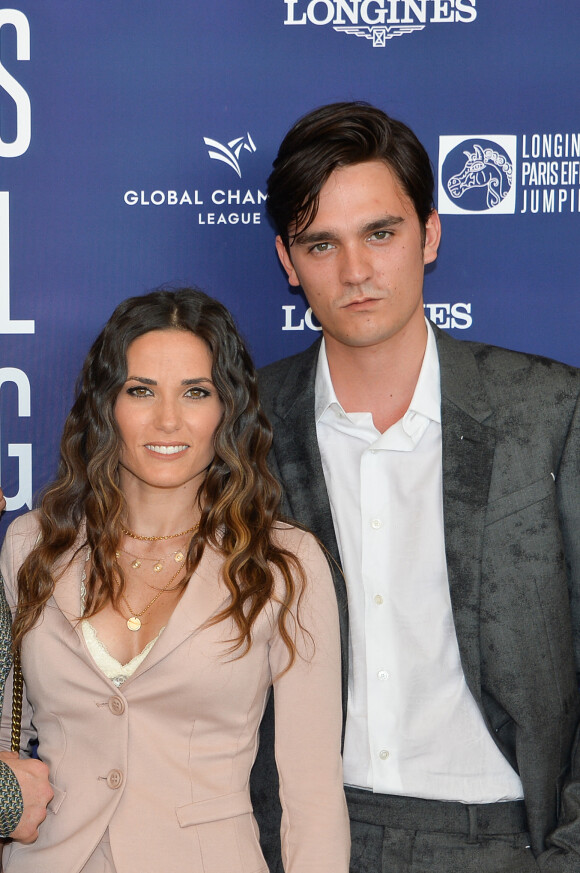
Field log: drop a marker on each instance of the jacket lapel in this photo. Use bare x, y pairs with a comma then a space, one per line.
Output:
296, 449
297, 457
468, 450
203, 597
67, 596
67, 590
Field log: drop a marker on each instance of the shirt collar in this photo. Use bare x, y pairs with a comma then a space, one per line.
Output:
426, 400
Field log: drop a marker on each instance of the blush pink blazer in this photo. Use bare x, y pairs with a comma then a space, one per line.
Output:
163, 762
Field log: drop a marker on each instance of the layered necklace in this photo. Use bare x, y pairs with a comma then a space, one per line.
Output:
134, 621
158, 563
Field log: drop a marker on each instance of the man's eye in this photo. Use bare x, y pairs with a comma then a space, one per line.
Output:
380, 234
321, 247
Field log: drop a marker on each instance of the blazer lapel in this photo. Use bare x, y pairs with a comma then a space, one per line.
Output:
67, 590
468, 450
67, 596
297, 456
203, 597
296, 449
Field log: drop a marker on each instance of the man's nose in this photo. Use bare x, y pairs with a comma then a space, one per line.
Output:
355, 266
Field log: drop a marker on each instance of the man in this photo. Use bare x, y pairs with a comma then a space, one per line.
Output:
24, 788
443, 477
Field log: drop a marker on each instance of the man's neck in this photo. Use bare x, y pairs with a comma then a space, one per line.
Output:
379, 379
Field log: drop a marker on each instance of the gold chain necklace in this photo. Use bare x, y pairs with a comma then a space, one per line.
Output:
178, 557
134, 620
135, 536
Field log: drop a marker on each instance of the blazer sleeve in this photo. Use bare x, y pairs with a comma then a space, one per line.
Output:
315, 832
563, 852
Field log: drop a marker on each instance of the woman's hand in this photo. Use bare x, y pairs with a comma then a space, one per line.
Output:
32, 777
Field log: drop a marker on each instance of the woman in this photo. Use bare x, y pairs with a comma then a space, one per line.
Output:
159, 596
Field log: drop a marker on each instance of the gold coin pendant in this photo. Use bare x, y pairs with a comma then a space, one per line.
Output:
134, 623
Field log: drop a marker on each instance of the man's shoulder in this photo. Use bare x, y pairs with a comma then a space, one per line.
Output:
287, 371
507, 369
306, 358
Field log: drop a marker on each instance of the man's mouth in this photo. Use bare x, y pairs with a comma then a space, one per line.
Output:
359, 301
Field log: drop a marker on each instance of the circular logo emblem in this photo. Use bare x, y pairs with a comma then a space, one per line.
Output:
477, 174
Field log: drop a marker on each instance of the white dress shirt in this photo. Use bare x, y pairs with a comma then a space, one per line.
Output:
413, 727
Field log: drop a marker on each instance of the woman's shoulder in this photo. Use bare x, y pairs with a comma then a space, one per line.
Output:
21, 537
300, 542
291, 536
24, 529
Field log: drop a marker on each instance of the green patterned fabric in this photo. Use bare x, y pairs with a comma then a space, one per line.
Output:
10, 794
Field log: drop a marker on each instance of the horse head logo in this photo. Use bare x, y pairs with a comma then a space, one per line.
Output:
485, 168
230, 153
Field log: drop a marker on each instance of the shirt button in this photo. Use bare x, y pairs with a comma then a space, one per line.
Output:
383, 674
378, 599
376, 523
115, 779
383, 754
117, 705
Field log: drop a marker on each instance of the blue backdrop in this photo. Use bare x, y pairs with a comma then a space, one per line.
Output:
136, 138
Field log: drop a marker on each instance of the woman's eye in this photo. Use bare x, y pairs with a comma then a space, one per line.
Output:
197, 392
139, 391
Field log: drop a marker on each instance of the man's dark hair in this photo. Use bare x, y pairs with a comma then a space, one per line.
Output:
335, 136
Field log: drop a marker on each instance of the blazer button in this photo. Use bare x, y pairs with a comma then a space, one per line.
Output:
115, 779
117, 705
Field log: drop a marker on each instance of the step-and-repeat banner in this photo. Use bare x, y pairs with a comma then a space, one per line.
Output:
136, 139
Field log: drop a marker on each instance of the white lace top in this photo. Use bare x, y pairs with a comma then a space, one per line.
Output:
113, 669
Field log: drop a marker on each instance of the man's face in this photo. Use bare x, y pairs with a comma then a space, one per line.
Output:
361, 261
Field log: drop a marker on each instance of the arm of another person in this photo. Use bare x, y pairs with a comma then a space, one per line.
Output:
24, 796
315, 830
563, 854
24, 787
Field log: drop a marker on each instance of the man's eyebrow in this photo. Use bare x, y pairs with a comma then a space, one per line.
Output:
313, 237
309, 238
384, 223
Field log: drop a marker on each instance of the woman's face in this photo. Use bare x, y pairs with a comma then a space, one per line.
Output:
167, 411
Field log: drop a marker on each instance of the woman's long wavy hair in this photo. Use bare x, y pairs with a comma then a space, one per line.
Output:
239, 498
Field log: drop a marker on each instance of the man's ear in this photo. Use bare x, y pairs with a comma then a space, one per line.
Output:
286, 262
432, 237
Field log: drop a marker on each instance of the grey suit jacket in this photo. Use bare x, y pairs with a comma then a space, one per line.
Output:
511, 483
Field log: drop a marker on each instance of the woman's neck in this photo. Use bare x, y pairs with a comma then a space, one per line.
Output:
159, 512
